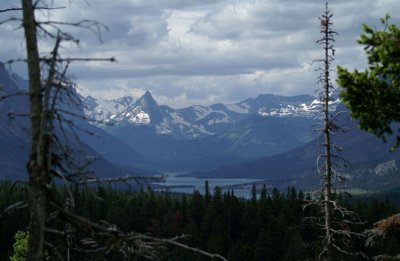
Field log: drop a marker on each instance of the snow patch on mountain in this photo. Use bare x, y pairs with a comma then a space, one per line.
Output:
312, 109
201, 112
140, 118
177, 119
197, 121
102, 111
188, 128
164, 128
385, 168
219, 121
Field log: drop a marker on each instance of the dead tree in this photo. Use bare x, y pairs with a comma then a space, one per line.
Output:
327, 44
335, 221
37, 164
50, 158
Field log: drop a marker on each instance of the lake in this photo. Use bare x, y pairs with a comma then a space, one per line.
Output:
189, 184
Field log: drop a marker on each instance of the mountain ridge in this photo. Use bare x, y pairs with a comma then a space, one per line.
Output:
264, 137
15, 136
198, 121
230, 132
361, 149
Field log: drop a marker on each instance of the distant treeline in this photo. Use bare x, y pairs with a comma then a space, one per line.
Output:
265, 227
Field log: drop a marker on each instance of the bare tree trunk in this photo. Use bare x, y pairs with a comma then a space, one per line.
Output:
37, 172
328, 170
39, 166
326, 42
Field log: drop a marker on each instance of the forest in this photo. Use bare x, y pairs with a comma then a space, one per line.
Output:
270, 225
58, 215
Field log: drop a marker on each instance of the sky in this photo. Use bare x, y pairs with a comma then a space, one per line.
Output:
188, 52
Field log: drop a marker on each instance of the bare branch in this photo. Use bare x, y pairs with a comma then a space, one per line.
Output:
54, 250
176, 243
68, 59
11, 19
10, 10
12, 115
17, 205
55, 231
94, 26
120, 239
9, 95
36, 8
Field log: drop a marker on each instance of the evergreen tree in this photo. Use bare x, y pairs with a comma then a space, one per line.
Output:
207, 193
197, 208
239, 229
293, 245
373, 95
263, 193
239, 251
263, 246
253, 195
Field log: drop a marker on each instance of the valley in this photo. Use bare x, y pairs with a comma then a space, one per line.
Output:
270, 138
199, 130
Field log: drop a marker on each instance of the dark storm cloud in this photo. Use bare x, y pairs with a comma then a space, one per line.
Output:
189, 52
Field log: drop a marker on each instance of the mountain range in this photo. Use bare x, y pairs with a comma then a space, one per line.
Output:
15, 135
203, 137
359, 156
268, 137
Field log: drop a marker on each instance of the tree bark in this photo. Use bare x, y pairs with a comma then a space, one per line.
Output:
327, 143
326, 41
37, 172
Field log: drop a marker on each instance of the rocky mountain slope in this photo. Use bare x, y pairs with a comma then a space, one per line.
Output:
94, 142
363, 152
267, 137
197, 121
199, 137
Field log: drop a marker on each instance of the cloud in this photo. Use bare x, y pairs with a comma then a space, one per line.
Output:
255, 20
201, 52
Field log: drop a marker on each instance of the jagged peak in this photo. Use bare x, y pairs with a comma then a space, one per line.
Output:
147, 98
147, 95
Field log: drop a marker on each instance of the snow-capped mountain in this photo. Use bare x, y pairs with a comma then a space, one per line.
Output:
192, 138
192, 122
269, 105
206, 136
143, 111
87, 141
312, 109
102, 111
372, 163
197, 121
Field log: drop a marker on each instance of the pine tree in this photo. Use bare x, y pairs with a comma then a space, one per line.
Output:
262, 247
373, 95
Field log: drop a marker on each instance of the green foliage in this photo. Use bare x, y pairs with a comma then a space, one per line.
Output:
373, 95
268, 227
20, 246
14, 219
